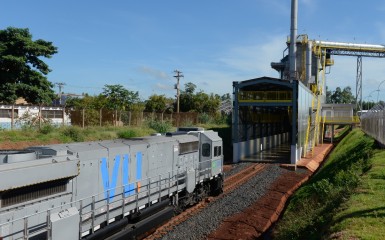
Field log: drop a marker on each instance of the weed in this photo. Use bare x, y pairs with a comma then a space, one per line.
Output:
129, 133
74, 133
47, 128
158, 126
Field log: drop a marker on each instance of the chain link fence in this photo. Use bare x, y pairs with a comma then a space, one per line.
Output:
372, 122
104, 117
17, 116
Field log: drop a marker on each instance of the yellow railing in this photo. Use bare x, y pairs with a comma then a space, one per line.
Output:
347, 120
309, 122
265, 96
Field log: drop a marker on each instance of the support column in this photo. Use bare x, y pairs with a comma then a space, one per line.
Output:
359, 84
235, 121
293, 142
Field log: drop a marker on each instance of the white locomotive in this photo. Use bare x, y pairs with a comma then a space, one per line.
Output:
106, 189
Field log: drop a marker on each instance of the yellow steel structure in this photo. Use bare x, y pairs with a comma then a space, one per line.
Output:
323, 51
308, 127
341, 120
317, 90
265, 96
351, 49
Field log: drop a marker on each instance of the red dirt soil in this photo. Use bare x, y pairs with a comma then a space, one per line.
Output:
8, 145
258, 218
255, 220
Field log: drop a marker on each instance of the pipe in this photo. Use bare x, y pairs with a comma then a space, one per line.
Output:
293, 39
356, 46
308, 63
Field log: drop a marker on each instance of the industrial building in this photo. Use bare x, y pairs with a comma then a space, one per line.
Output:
288, 111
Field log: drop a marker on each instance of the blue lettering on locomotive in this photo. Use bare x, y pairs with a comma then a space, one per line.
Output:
129, 188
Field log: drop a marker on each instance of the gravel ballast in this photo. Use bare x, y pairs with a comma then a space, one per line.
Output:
203, 223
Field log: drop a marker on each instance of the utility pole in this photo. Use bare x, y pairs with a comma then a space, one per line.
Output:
178, 75
60, 85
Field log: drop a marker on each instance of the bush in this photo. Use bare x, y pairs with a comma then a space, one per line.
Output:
47, 128
204, 118
160, 127
74, 133
130, 133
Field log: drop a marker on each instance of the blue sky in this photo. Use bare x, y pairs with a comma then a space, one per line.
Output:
139, 44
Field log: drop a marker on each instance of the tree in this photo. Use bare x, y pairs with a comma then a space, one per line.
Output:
22, 72
226, 97
340, 96
347, 96
336, 96
198, 102
158, 103
328, 95
186, 97
119, 98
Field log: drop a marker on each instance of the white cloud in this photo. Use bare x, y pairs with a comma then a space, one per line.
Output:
216, 75
256, 59
154, 73
161, 86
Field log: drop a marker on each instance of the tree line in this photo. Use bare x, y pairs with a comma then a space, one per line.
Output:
345, 96
23, 73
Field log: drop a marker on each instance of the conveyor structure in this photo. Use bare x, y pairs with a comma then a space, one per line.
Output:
293, 101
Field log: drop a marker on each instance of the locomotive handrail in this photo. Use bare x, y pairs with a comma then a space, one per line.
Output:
170, 181
96, 202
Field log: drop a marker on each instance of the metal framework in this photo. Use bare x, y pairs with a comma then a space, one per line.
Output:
355, 50
264, 107
346, 52
359, 84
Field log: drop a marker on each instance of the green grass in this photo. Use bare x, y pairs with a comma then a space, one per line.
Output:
47, 133
344, 130
363, 215
313, 206
71, 134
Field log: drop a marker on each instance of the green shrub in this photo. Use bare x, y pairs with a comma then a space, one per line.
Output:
74, 133
322, 188
129, 133
187, 123
203, 118
47, 128
158, 126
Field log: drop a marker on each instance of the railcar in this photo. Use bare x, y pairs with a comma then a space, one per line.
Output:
106, 189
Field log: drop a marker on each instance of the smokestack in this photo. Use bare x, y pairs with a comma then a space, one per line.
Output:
293, 39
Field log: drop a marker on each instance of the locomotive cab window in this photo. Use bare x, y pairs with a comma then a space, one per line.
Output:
217, 151
206, 149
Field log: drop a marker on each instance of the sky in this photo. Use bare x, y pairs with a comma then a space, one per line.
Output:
139, 44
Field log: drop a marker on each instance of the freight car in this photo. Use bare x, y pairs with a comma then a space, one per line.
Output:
106, 189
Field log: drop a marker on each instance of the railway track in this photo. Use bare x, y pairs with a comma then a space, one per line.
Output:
230, 184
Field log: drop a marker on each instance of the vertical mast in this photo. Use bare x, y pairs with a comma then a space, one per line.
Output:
293, 39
